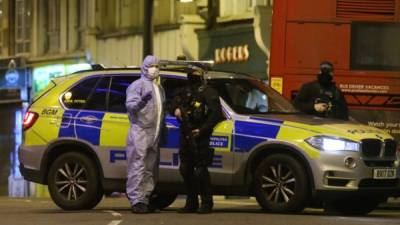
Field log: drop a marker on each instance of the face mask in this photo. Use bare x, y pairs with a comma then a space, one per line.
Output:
325, 79
153, 72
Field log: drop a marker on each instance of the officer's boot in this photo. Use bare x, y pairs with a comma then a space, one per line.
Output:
191, 206
192, 201
206, 204
205, 190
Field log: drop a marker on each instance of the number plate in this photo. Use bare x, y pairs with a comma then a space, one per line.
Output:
384, 173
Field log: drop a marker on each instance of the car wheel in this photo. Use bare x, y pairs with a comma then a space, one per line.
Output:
281, 184
74, 183
162, 201
351, 205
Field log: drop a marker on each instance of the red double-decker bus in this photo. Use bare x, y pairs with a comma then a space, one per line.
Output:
360, 37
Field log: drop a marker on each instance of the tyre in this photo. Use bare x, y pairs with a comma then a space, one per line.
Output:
74, 182
352, 206
281, 184
162, 201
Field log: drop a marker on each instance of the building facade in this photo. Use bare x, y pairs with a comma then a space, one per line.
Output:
68, 32
49, 38
239, 39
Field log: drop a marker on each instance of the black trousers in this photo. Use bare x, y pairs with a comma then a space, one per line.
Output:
193, 168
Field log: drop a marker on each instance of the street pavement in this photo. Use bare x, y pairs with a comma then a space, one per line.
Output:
115, 211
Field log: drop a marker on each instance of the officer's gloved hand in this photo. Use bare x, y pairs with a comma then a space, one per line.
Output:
147, 96
195, 132
320, 107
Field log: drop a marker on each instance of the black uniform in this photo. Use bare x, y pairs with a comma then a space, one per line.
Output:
321, 91
201, 109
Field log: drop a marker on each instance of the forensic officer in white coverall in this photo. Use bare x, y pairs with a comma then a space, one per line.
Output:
144, 103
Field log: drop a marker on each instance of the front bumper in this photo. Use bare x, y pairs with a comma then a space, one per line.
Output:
332, 177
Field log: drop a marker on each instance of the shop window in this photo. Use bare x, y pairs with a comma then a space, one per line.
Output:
90, 94
118, 93
23, 19
375, 46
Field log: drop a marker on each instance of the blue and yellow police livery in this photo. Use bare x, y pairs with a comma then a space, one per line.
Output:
75, 134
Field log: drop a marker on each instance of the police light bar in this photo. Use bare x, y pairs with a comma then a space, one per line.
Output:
204, 65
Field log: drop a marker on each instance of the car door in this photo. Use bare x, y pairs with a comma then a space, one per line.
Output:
85, 104
115, 127
221, 141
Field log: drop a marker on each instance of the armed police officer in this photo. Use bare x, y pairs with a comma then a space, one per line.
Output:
197, 107
321, 97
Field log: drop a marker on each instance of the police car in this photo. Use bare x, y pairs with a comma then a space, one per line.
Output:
75, 132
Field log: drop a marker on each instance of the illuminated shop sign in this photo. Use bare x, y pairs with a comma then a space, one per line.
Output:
14, 82
232, 54
42, 75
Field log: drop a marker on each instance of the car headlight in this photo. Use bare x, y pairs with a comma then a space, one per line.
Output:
326, 143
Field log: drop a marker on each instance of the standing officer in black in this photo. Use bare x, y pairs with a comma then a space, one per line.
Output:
198, 108
321, 97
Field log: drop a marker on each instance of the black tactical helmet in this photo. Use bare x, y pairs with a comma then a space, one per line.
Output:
326, 67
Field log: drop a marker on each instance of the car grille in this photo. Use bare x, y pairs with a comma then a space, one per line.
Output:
372, 148
390, 148
377, 153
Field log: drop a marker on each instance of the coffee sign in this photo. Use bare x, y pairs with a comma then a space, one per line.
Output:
231, 54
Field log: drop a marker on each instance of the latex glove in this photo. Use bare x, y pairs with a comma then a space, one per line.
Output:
147, 96
320, 107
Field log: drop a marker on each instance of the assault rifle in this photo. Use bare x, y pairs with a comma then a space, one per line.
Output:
187, 130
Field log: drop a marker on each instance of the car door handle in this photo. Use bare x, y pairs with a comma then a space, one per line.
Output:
88, 119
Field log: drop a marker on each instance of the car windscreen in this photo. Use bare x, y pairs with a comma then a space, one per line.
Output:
251, 96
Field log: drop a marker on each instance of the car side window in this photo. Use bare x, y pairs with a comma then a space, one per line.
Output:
98, 97
117, 98
90, 94
241, 95
170, 86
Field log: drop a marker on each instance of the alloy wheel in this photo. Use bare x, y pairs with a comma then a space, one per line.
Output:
278, 183
71, 181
